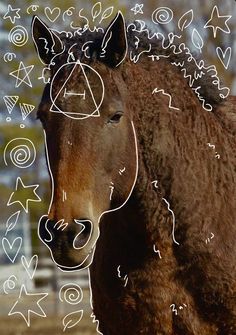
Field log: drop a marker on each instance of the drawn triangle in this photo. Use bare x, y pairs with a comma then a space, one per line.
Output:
10, 102
26, 109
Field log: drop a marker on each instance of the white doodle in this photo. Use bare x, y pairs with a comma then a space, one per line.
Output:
176, 48
185, 20
135, 58
71, 293
125, 278
61, 225
9, 284
96, 10
122, 171
175, 310
221, 22
45, 76
21, 152
77, 66
22, 74
18, 36
213, 147
138, 9
208, 240
31, 266
10, 102
16, 308
11, 222
162, 15
107, 13
12, 14
32, 8
155, 183
197, 40
23, 200
157, 251
112, 190
64, 194
81, 223
8, 119
69, 322
52, 14
156, 90
12, 249
224, 56
69, 12
26, 110
173, 216
9, 56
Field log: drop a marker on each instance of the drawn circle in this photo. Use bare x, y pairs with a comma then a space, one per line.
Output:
162, 15
22, 126
20, 152
77, 68
71, 294
8, 119
9, 56
18, 36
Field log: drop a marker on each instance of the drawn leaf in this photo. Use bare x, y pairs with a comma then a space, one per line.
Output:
185, 20
72, 319
96, 10
11, 222
197, 40
107, 13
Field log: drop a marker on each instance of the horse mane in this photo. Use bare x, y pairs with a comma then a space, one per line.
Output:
205, 78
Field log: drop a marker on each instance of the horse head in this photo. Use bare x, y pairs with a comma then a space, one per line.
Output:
90, 140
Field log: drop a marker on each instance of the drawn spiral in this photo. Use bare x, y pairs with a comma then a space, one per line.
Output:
18, 36
71, 293
9, 284
20, 152
162, 15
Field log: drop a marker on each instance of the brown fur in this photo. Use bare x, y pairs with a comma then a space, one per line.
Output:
201, 191
173, 149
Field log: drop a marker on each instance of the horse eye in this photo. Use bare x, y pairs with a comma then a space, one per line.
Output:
116, 117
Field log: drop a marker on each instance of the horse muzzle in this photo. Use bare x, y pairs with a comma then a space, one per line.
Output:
67, 242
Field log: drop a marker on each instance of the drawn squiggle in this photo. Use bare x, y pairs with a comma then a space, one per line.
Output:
173, 216
168, 95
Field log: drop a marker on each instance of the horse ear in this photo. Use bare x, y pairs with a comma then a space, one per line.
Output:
114, 45
46, 42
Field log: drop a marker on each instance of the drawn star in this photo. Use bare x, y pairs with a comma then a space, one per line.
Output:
17, 194
12, 14
18, 305
138, 9
22, 74
218, 21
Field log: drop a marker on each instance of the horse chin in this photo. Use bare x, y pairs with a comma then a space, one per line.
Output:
72, 262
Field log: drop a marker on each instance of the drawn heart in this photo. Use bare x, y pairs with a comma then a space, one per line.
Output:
29, 268
224, 56
9, 248
52, 14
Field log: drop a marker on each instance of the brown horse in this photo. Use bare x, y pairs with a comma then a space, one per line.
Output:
152, 173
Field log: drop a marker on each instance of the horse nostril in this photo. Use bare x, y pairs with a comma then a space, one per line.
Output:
84, 231
46, 229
